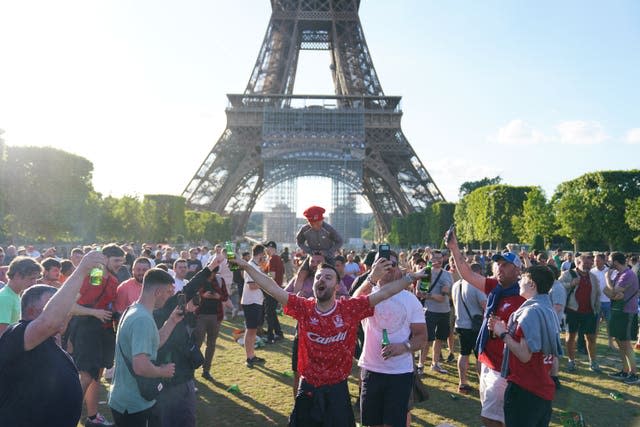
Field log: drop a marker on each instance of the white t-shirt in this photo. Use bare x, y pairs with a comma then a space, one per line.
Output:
602, 281
251, 296
179, 283
395, 314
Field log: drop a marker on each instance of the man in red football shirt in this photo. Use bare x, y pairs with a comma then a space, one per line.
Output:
327, 330
503, 299
532, 340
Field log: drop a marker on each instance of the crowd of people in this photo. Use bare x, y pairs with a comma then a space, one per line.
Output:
140, 315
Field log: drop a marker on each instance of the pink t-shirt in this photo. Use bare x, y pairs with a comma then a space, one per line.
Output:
127, 293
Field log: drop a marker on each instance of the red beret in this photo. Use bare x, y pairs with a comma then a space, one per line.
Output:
314, 213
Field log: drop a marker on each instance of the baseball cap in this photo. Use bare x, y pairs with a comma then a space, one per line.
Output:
271, 244
314, 213
509, 257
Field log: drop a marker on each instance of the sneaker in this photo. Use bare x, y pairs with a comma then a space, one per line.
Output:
420, 370
249, 363
632, 379
556, 381
98, 421
255, 359
464, 389
571, 366
595, 368
451, 358
439, 369
621, 375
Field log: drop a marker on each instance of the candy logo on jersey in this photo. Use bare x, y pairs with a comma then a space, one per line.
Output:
337, 320
327, 340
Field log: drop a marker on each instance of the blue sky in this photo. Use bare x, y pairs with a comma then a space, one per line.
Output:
539, 92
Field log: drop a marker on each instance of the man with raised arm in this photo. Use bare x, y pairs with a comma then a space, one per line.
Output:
503, 298
327, 331
34, 370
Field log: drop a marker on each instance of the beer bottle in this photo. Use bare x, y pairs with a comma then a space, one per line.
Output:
385, 338
228, 247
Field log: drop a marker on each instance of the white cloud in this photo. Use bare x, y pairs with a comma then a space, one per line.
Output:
518, 132
449, 173
633, 136
581, 132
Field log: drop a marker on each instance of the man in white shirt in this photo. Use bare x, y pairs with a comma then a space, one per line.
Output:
180, 269
387, 368
252, 300
599, 271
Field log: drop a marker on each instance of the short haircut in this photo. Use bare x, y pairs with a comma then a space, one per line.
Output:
331, 267
178, 261
476, 268
66, 267
49, 263
33, 295
23, 266
245, 254
142, 260
257, 250
77, 251
542, 276
601, 256
618, 256
340, 258
112, 250
162, 266
156, 277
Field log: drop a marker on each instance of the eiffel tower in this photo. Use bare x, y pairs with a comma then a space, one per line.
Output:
353, 136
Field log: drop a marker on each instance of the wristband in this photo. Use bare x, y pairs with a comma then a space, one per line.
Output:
408, 278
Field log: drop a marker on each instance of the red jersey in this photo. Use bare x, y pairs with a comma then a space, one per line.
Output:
327, 340
492, 354
276, 267
102, 296
533, 376
583, 294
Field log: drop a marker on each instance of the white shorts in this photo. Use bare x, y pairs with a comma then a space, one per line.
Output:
492, 387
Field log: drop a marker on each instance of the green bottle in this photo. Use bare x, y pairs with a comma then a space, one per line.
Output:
425, 282
385, 338
228, 248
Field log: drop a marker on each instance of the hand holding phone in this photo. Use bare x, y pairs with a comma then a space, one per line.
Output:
384, 251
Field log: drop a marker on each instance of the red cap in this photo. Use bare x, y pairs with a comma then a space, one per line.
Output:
314, 213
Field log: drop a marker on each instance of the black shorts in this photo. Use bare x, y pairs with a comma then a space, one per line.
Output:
523, 408
321, 406
252, 315
582, 323
437, 325
384, 398
623, 326
468, 339
93, 345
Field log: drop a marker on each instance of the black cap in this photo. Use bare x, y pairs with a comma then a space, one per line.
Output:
271, 244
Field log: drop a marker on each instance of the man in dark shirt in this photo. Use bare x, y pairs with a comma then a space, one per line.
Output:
275, 270
34, 370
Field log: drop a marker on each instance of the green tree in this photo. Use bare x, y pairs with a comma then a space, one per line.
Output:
469, 186
441, 218
537, 219
49, 193
164, 217
632, 216
592, 207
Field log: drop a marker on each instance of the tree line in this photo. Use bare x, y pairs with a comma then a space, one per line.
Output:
598, 211
46, 195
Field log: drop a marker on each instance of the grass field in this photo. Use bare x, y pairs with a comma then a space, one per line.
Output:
265, 397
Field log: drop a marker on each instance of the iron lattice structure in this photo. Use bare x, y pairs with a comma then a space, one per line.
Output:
353, 136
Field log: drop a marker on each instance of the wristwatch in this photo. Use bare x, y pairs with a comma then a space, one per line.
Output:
504, 334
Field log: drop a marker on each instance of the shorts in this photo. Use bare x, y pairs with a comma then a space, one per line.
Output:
582, 323
252, 315
321, 406
492, 388
523, 408
384, 398
93, 346
437, 325
605, 310
623, 326
468, 339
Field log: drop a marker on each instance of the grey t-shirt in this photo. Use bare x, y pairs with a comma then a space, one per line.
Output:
445, 281
558, 294
473, 297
